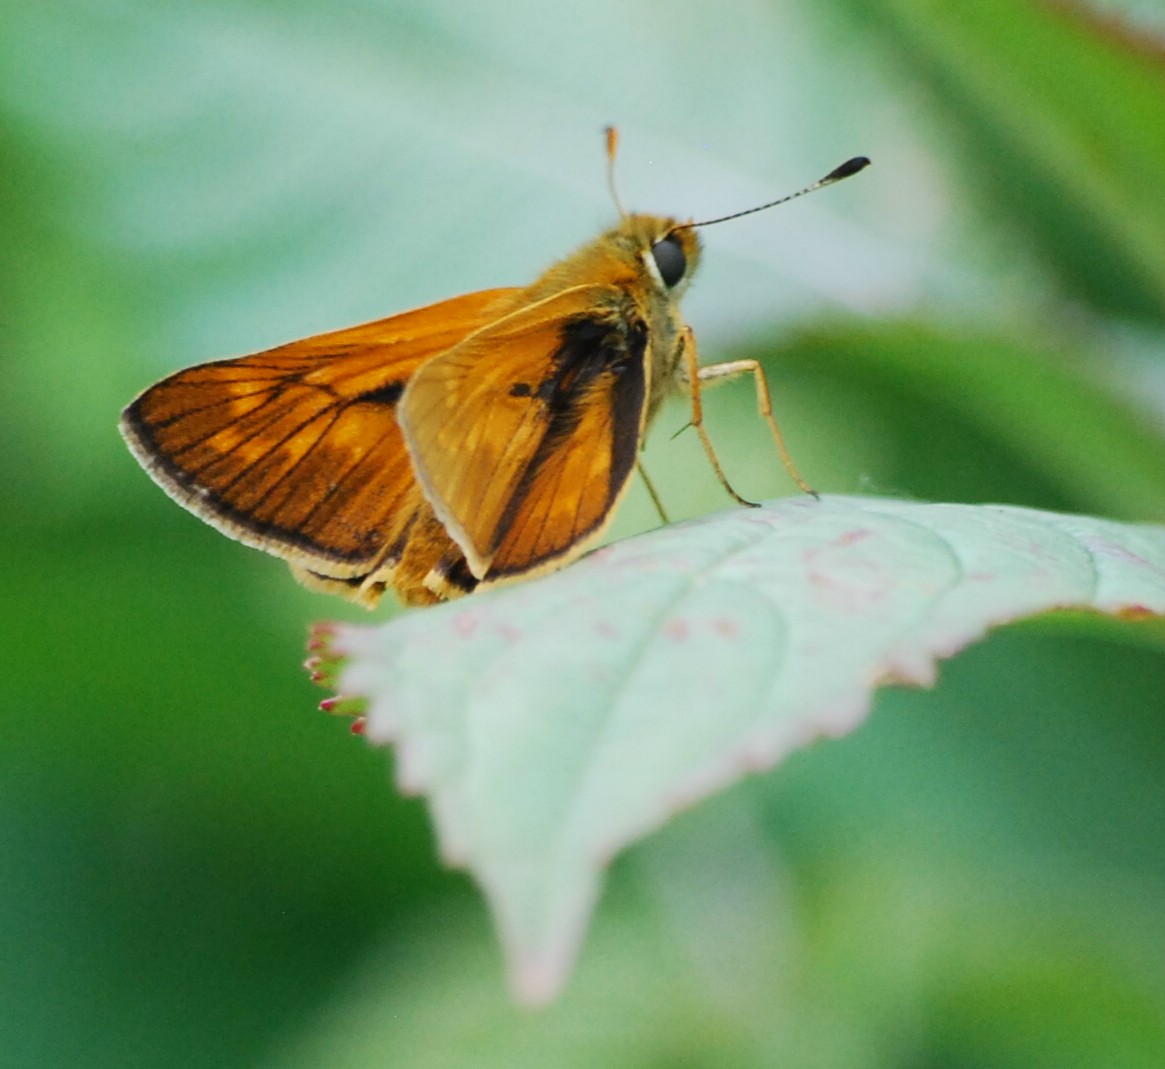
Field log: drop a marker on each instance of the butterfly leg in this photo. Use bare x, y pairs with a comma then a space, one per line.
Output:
655, 498
730, 369
693, 377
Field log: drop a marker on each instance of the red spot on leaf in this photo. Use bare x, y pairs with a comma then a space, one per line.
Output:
508, 632
726, 628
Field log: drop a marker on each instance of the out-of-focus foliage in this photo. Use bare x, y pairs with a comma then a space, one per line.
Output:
197, 870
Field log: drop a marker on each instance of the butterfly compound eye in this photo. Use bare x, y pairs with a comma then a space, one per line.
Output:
670, 260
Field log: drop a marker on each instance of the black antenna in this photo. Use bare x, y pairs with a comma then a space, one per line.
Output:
850, 167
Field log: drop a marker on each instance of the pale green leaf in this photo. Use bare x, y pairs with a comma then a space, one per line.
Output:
555, 722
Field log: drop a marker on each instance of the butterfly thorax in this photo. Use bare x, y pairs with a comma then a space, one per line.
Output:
640, 269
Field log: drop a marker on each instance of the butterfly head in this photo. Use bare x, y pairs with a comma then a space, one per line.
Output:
665, 248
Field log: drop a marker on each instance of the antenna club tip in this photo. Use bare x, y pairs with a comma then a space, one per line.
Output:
850, 167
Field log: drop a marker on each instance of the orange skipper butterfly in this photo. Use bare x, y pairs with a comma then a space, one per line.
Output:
475, 441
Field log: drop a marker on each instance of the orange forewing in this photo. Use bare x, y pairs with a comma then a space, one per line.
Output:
297, 450
524, 435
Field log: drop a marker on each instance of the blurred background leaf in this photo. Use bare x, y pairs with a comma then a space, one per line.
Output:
1054, 111
198, 870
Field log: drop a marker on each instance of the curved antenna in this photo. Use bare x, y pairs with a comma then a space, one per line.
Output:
613, 147
845, 170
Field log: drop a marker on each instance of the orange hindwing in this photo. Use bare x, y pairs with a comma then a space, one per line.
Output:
297, 450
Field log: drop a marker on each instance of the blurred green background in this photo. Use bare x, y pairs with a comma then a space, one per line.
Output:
197, 869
